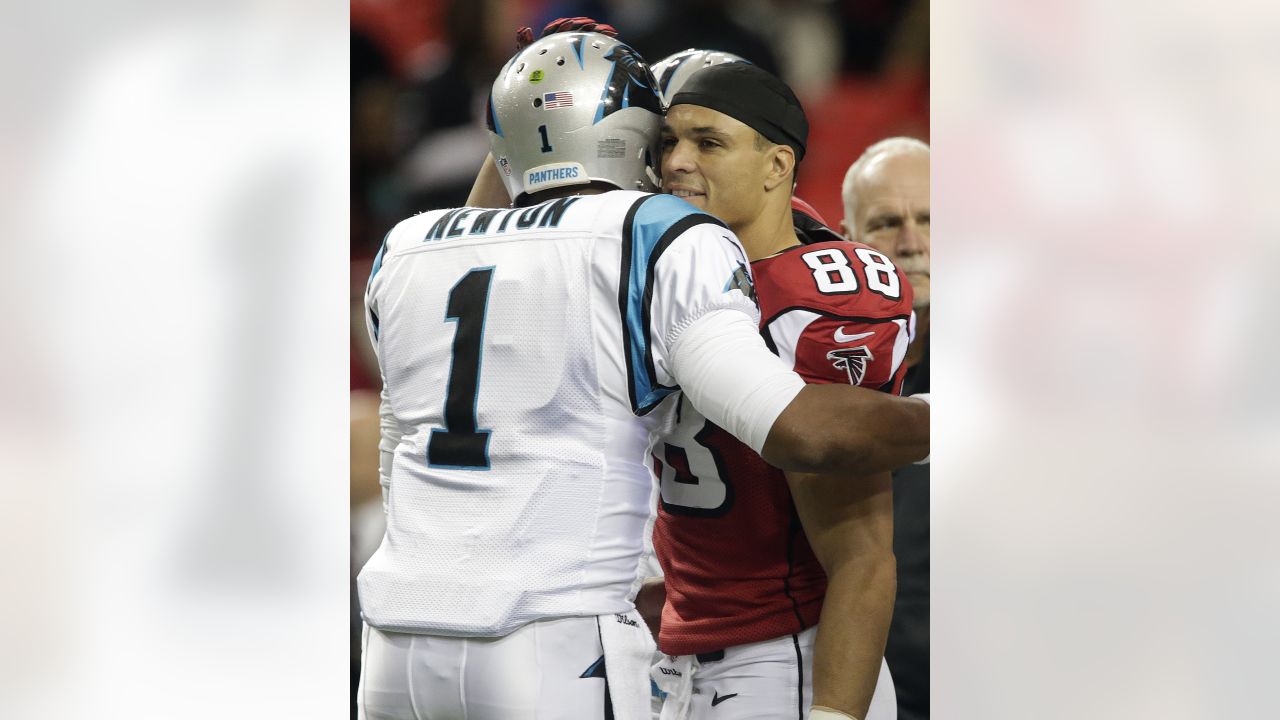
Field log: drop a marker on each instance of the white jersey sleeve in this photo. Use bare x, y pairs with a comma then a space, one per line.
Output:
389, 440
679, 264
391, 430
732, 378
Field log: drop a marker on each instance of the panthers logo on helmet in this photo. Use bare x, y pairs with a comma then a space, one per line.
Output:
630, 84
853, 361
669, 66
671, 72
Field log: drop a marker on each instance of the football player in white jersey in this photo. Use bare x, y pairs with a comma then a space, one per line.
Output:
524, 355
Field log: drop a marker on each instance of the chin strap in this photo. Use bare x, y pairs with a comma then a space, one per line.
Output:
653, 178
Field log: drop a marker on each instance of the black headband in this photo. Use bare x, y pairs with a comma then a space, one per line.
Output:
751, 96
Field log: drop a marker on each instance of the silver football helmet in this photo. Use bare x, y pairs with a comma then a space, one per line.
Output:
672, 71
573, 108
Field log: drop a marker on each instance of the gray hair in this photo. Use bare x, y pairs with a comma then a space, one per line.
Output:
888, 146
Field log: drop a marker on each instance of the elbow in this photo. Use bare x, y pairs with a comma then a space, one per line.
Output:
824, 452
831, 453
792, 451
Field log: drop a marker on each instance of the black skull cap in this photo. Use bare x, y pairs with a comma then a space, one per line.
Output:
752, 96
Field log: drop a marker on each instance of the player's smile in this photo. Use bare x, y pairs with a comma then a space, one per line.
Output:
705, 150
685, 191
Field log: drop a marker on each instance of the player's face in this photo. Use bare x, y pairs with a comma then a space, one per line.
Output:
892, 215
712, 160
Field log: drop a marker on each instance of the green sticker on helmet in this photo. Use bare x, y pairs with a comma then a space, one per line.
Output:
536, 77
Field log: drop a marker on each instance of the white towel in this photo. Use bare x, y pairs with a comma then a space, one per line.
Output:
674, 676
628, 652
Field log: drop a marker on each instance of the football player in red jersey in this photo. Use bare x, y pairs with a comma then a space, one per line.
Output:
755, 557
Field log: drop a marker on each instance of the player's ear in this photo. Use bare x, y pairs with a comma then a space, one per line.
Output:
782, 161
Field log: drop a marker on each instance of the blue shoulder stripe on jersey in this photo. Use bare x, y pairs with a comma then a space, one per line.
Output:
377, 259
377, 265
652, 223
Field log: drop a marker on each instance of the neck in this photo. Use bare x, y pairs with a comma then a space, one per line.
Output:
915, 352
592, 188
769, 232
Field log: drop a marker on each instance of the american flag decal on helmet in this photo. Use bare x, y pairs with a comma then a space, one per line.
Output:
560, 99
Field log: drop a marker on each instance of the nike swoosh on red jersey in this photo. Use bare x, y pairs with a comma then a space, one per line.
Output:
842, 338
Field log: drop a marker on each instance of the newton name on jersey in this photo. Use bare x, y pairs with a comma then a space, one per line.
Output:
477, 221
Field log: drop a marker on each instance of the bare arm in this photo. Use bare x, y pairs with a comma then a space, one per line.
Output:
649, 601
365, 436
850, 528
737, 383
838, 428
488, 190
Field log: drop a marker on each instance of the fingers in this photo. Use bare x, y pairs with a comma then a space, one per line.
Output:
524, 38
579, 24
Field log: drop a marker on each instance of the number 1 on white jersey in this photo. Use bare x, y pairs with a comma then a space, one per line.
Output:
459, 445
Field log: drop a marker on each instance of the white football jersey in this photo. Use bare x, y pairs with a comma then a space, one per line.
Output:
524, 354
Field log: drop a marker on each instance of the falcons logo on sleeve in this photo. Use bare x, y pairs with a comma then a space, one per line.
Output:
853, 361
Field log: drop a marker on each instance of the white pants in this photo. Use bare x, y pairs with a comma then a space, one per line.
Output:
583, 668
769, 680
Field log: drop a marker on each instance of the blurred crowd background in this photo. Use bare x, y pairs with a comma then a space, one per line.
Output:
420, 76
421, 71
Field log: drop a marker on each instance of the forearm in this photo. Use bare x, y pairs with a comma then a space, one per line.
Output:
849, 525
834, 428
897, 434
851, 634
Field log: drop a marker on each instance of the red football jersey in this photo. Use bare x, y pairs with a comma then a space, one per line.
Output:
738, 566
799, 205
